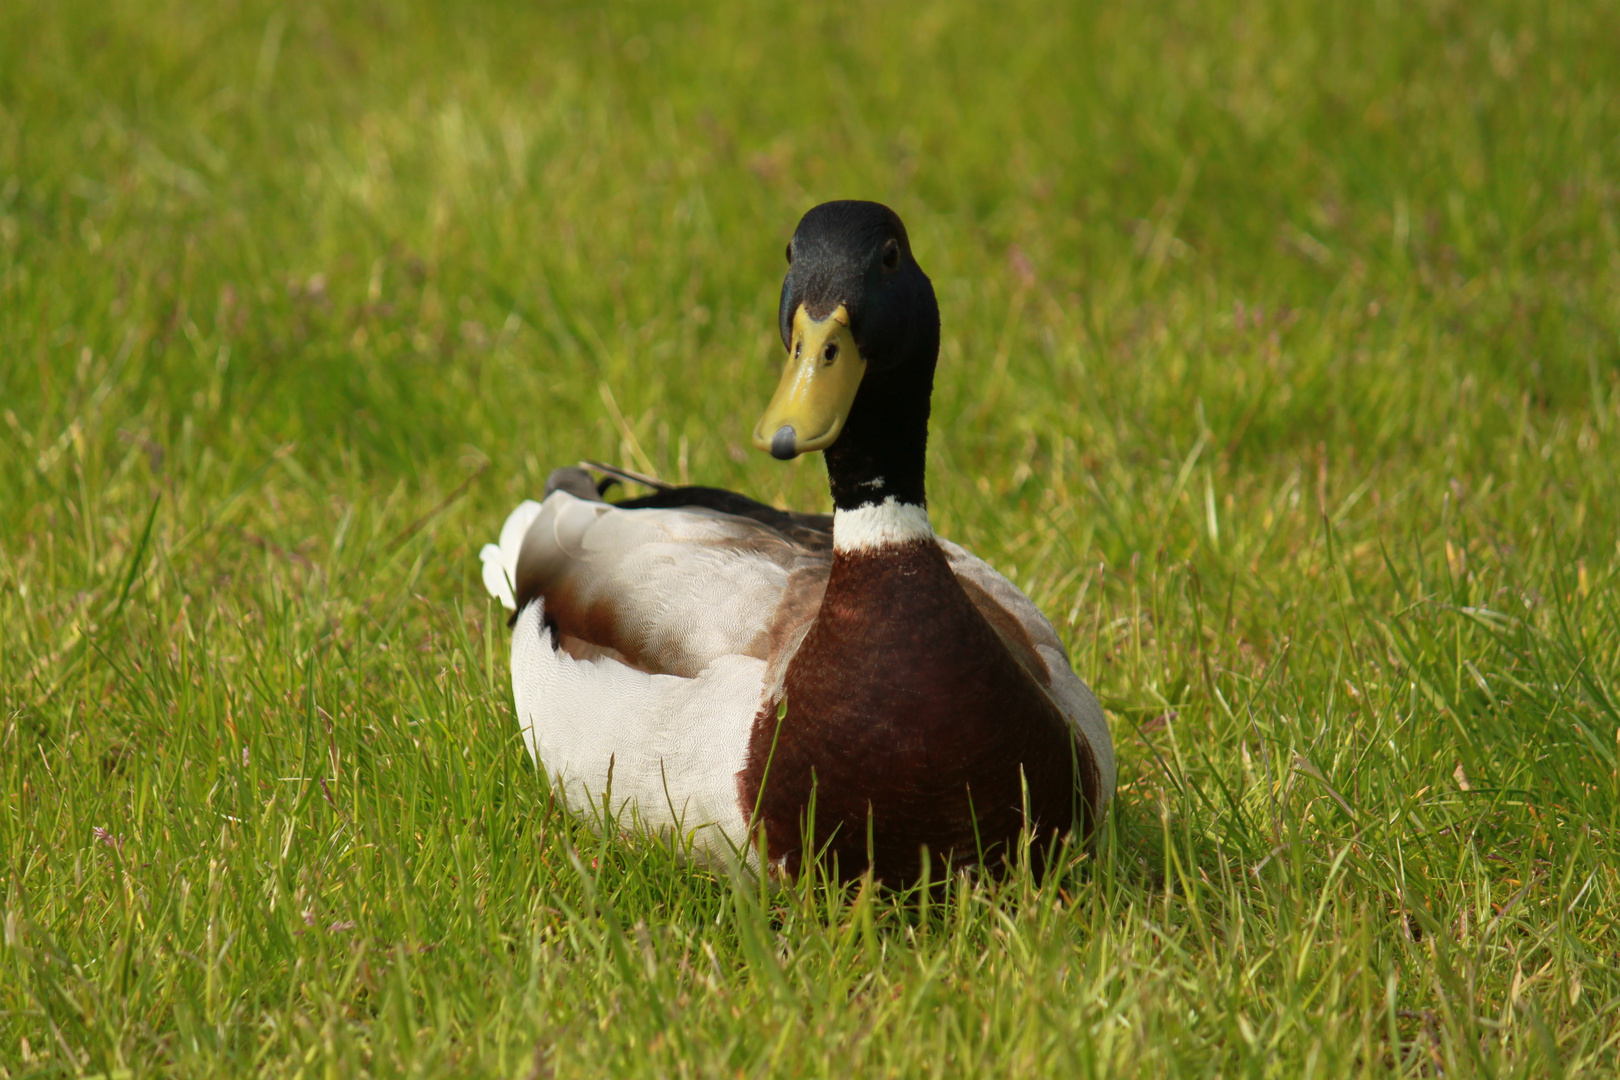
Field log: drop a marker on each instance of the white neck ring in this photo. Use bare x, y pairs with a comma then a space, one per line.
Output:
872, 527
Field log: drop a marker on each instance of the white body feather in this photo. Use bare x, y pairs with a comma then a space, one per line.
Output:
660, 750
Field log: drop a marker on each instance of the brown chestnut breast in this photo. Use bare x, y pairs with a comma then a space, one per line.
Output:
908, 723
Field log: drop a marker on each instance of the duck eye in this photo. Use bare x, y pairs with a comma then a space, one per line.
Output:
790, 253
891, 255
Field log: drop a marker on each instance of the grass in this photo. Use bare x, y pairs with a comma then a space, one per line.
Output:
1281, 367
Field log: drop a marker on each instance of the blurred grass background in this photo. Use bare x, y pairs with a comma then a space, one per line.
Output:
1281, 366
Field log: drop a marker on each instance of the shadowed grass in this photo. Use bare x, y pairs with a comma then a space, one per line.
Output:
1281, 367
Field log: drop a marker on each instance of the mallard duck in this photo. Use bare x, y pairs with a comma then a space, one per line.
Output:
853, 685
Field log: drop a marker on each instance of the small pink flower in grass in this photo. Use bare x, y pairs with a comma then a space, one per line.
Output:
339, 927
114, 842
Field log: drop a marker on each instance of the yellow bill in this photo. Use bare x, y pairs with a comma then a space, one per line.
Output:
818, 386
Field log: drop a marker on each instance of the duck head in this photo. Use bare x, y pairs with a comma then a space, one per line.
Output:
860, 324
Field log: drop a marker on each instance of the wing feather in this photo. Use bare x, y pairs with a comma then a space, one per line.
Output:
669, 590
1033, 640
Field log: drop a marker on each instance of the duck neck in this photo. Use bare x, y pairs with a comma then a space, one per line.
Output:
876, 466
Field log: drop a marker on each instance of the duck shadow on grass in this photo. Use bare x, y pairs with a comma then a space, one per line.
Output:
649, 876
